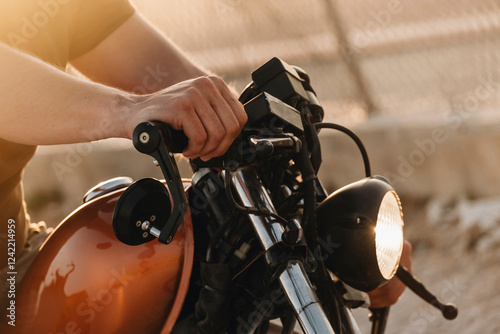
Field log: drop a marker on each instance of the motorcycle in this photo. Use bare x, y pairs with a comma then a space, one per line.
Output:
252, 237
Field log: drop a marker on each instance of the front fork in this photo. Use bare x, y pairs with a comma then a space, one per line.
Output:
293, 278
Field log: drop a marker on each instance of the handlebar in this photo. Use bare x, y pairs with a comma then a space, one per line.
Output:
146, 141
275, 130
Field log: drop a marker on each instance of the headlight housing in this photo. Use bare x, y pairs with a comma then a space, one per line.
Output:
364, 221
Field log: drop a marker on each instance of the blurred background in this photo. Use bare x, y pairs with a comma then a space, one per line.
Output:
418, 81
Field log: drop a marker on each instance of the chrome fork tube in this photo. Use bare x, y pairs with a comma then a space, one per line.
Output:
294, 281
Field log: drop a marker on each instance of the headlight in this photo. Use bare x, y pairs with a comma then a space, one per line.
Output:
364, 221
389, 235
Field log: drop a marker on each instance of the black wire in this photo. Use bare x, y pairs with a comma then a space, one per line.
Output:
217, 237
247, 209
354, 137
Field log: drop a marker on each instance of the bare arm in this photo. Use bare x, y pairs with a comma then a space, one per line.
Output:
42, 105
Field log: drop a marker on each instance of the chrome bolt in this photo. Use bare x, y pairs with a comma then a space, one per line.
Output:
145, 226
144, 137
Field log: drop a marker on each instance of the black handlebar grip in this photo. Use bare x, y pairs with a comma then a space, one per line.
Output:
176, 140
146, 137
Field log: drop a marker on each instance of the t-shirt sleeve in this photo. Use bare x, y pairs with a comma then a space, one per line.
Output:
94, 21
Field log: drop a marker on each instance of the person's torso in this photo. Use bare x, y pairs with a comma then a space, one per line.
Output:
55, 31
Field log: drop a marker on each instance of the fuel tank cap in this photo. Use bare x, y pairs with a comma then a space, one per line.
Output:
107, 187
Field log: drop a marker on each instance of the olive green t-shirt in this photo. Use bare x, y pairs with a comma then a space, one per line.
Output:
55, 31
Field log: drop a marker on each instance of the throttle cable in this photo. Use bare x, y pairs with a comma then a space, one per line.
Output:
353, 136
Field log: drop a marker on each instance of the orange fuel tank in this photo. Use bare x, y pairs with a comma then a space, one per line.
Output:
85, 281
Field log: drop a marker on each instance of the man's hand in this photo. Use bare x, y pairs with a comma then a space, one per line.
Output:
390, 293
138, 59
204, 108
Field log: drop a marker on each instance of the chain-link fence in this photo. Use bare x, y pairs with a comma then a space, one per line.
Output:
396, 58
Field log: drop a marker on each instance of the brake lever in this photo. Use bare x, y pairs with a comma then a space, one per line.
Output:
449, 311
379, 316
161, 142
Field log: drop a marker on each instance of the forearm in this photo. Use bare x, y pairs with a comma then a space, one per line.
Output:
43, 105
